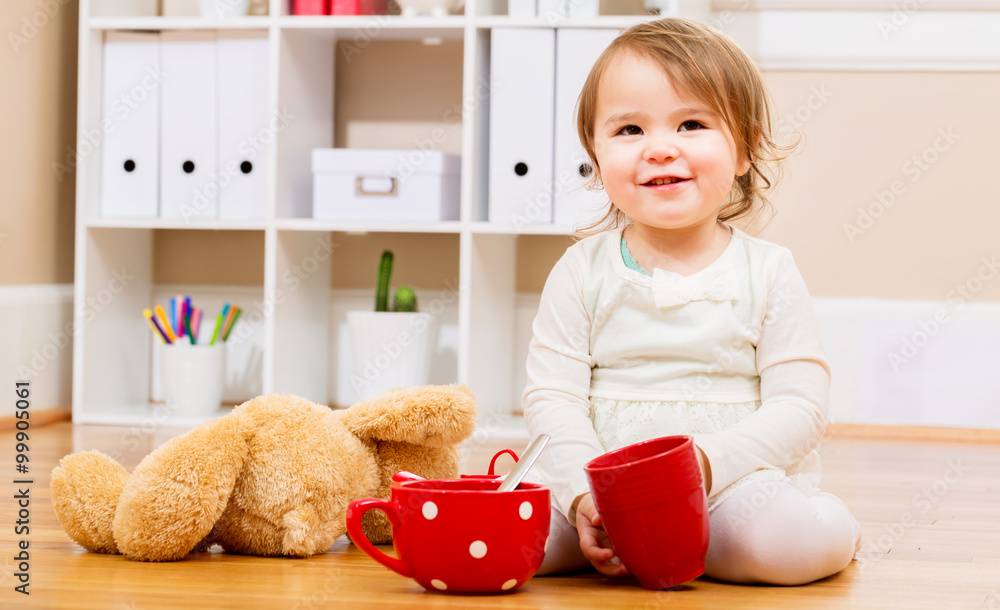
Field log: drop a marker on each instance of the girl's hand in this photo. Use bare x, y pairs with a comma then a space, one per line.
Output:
706, 468
594, 540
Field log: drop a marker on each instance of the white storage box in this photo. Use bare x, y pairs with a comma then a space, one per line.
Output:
390, 185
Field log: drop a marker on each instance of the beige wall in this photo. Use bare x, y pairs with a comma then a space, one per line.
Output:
863, 140
858, 140
230, 258
38, 68
391, 88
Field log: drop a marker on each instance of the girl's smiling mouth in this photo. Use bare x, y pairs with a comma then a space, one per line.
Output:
666, 183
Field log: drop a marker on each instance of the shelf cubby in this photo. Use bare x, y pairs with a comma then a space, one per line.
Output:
128, 272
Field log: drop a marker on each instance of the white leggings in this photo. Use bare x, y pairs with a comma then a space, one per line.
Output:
765, 533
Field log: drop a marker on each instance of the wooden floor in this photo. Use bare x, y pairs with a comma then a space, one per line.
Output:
947, 556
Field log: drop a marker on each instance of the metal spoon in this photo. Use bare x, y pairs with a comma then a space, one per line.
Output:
524, 464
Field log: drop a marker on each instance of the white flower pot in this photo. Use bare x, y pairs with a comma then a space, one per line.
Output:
391, 350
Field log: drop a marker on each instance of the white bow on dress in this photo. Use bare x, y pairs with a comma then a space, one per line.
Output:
716, 283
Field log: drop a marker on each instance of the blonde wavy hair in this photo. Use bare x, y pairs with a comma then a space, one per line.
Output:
708, 66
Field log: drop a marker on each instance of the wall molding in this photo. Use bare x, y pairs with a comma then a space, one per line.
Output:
853, 5
36, 323
36, 293
877, 36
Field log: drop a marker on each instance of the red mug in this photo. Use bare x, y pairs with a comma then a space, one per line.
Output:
651, 498
493, 464
460, 535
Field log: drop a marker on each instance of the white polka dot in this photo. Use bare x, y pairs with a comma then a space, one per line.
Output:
509, 584
478, 549
546, 547
525, 510
430, 510
439, 584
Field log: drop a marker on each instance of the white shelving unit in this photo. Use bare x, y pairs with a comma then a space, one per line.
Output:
112, 350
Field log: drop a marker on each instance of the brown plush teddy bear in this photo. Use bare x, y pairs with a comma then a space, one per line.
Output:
274, 477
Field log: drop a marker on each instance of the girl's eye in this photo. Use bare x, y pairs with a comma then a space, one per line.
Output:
690, 125
627, 127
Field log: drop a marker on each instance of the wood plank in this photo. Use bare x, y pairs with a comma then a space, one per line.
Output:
41, 417
912, 433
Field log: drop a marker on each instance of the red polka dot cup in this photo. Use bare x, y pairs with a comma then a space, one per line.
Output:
460, 535
493, 463
651, 498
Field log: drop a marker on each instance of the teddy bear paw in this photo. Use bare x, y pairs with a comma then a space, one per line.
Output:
85, 491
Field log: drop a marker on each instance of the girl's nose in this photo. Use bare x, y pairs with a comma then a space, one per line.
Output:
659, 150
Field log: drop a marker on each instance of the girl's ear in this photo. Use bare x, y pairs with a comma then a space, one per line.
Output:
744, 167
745, 158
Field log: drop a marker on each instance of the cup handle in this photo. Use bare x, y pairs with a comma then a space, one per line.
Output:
499, 453
355, 511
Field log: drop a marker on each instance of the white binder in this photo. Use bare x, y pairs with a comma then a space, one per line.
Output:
245, 137
129, 125
576, 52
189, 186
522, 75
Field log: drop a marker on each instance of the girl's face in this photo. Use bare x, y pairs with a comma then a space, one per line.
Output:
647, 130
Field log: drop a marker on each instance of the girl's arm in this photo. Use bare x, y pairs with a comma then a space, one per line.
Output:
794, 388
556, 399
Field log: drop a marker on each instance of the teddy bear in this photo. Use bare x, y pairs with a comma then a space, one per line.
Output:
272, 478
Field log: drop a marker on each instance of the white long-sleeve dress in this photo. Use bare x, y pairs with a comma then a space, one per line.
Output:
731, 355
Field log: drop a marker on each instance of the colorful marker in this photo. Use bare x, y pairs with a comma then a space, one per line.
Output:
148, 314
187, 324
195, 324
218, 323
166, 325
229, 328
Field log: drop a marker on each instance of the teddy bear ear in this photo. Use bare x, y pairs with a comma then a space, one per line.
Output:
430, 415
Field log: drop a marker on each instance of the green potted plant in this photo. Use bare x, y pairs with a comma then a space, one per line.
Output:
393, 347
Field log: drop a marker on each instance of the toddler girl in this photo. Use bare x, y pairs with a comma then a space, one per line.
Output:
672, 321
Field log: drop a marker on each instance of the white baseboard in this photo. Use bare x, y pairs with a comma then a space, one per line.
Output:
924, 363
36, 326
